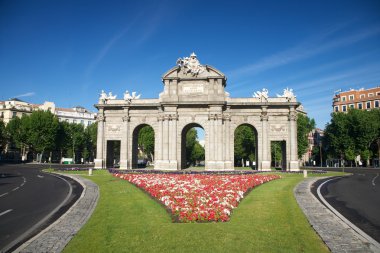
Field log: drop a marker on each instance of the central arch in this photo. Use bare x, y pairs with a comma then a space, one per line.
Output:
185, 130
249, 138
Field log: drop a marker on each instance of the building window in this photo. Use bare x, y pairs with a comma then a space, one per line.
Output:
360, 106
377, 93
352, 106
2, 115
368, 104
14, 114
362, 95
88, 123
370, 94
377, 104
82, 122
336, 108
351, 97
344, 99
344, 108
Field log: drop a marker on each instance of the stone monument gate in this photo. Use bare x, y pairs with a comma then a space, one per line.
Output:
194, 95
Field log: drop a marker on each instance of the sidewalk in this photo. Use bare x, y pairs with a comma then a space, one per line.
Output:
338, 236
55, 237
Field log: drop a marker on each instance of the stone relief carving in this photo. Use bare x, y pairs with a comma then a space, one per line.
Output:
114, 128
288, 94
262, 95
191, 65
278, 128
128, 97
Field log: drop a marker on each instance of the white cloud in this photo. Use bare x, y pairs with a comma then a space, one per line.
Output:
28, 94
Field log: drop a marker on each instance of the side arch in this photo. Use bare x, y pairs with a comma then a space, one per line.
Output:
135, 147
256, 143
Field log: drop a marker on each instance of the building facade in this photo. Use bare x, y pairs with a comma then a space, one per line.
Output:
12, 108
194, 96
357, 99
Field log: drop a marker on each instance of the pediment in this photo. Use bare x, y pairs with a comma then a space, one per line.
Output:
178, 72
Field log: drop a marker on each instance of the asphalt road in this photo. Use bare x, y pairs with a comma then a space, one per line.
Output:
356, 197
30, 200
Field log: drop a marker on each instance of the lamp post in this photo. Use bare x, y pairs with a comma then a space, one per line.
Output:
320, 153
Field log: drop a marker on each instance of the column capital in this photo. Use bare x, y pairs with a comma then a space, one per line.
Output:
100, 118
264, 116
126, 118
292, 116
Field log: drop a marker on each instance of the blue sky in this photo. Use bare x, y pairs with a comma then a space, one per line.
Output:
68, 51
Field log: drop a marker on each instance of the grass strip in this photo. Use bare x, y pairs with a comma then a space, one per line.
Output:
127, 220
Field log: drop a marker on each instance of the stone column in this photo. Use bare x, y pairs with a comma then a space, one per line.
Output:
293, 163
219, 142
265, 153
124, 144
173, 141
228, 160
99, 161
210, 161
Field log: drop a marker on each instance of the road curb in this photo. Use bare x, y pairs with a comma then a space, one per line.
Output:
337, 235
55, 237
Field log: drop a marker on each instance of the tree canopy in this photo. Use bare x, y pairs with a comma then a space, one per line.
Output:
41, 132
304, 126
354, 133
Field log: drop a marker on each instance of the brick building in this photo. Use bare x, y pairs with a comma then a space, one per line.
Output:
357, 99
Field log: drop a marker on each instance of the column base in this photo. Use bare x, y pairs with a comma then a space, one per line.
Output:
265, 166
165, 165
219, 166
123, 164
99, 164
294, 166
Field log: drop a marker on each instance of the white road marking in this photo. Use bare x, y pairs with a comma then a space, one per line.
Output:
15, 189
373, 180
3, 194
5, 212
40, 176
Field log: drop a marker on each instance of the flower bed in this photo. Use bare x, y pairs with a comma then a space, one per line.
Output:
197, 197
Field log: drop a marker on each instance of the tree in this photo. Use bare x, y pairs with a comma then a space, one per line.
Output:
354, 133
18, 132
146, 141
194, 151
3, 136
91, 139
43, 131
244, 144
304, 126
198, 152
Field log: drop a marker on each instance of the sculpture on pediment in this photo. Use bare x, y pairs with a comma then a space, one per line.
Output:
263, 95
110, 96
128, 97
288, 94
190, 65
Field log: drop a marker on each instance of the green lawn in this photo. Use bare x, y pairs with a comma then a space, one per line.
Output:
128, 220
